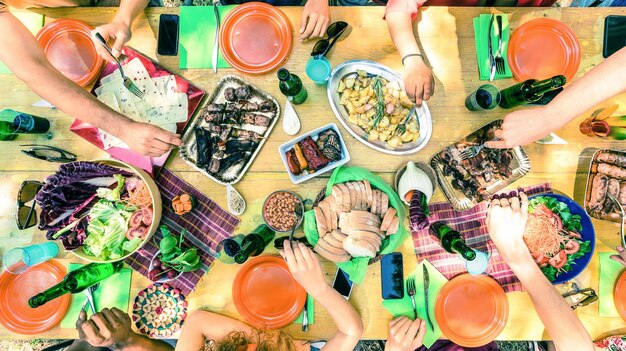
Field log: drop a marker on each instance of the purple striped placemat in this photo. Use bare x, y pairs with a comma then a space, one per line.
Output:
207, 224
471, 224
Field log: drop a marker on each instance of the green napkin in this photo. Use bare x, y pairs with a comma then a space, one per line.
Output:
481, 28
32, 21
357, 267
609, 272
113, 292
311, 313
404, 307
197, 35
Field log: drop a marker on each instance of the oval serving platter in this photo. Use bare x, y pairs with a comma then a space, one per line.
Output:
334, 98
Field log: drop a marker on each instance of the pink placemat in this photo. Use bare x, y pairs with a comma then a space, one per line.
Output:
207, 224
471, 224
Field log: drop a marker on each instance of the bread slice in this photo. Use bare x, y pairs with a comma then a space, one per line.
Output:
320, 222
375, 202
331, 240
391, 212
357, 196
353, 195
325, 207
362, 195
344, 221
359, 248
333, 212
368, 193
372, 238
364, 214
338, 196
346, 206
356, 221
394, 227
337, 258
337, 234
384, 200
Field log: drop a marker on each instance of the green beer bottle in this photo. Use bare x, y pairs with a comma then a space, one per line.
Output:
254, 243
529, 91
291, 86
77, 281
228, 248
451, 240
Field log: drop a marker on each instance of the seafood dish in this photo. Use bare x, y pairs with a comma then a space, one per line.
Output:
314, 153
228, 134
607, 174
370, 102
476, 178
353, 221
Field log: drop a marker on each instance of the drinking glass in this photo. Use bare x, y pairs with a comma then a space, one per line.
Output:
318, 69
18, 260
486, 97
8, 131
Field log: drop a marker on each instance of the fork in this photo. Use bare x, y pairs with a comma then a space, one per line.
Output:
622, 213
499, 59
471, 151
401, 128
128, 83
89, 294
410, 289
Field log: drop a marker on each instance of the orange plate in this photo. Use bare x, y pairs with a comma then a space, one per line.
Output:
619, 296
543, 48
255, 38
266, 295
472, 311
68, 46
15, 290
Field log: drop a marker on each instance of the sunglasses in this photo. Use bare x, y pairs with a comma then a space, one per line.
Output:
49, 153
333, 33
580, 298
26, 216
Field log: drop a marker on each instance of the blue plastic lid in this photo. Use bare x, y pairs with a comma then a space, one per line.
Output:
478, 265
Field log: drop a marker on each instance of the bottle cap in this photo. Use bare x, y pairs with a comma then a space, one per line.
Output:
283, 74
478, 265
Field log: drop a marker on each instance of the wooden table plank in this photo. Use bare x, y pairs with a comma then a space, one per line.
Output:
447, 38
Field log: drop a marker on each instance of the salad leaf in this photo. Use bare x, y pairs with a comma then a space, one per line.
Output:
112, 194
107, 230
168, 243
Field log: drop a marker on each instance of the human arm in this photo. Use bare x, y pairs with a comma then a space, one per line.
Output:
119, 30
111, 328
506, 222
418, 79
315, 19
306, 270
203, 325
621, 255
528, 125
26, 59
405, 334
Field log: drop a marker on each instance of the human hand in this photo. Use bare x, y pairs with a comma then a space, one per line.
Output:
621, 256
304, 266
405, 334
419, 82
107, 328
117, 31
315, 19
506, 222
148, 139
524, 127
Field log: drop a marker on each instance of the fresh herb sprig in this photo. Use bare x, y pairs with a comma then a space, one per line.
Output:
380, 100
172, 254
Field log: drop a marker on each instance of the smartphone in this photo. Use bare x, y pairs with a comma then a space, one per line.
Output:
614, 34
167, 44
392, 276
343, 284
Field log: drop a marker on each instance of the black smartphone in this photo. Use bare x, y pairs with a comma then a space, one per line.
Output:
343, 284
167, 44
392, 276
614, 34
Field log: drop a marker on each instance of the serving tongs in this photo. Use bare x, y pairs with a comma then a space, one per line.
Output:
617, 204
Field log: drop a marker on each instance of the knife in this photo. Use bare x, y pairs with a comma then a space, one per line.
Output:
426, 283
492, 59
305, 316
216, 44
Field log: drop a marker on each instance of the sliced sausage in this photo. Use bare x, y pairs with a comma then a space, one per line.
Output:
612, 171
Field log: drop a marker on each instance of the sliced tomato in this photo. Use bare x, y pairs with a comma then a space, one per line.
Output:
136, 218
559, 260
147, 216
571, 247
540, 259
139, 232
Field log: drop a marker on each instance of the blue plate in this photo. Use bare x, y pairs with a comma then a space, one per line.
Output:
588, 233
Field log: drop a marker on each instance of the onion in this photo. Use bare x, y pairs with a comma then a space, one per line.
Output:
418, 211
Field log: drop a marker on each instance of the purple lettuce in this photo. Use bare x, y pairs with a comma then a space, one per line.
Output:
418, 211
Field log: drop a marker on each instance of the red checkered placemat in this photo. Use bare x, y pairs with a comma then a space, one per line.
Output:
207, 224
471, 224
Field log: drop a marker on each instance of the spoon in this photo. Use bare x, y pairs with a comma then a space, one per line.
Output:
298, 212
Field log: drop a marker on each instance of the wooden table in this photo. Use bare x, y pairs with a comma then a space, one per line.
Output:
448, 41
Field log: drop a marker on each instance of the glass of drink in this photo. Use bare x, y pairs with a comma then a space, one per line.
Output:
13, 123
18, 260
486, 97
318, 69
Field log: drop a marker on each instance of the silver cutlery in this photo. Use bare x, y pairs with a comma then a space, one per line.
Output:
305, 317
298, 213
619, 206
471, 151
499, 59
401, 128
426, 279
216, 44
410, 289
89, 293
128, 83
492, 60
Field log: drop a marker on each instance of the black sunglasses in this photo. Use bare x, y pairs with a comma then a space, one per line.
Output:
26, 216
581, 298
49, 153
333, 32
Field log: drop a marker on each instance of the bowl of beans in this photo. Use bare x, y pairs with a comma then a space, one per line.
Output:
279, 210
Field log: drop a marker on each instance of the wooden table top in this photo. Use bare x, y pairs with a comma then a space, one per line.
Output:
447, 39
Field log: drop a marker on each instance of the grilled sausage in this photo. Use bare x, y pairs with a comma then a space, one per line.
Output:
612, 171
598, 192
610, 157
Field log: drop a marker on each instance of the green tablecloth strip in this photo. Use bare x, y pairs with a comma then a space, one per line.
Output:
610, 270
481, 28
32, 21
311, 311
197, 35
404, 307
113, 292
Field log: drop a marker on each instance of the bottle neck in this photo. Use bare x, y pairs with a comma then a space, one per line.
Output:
252, 246
458, 245
538, 88
439, 229
265, 233
64, 287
